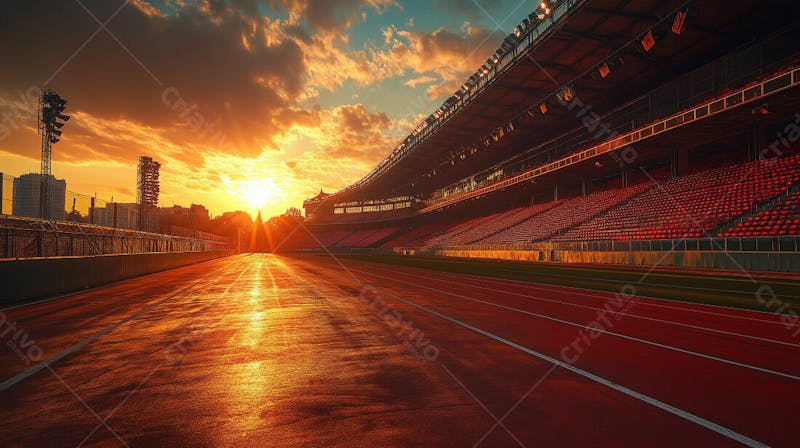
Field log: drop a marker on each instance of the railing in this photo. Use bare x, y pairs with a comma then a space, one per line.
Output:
752, 244
19, 197
714, 80
34, 238
505, 60
784, 80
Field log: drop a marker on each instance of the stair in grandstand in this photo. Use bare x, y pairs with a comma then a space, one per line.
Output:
773, 205
458, 230
517, 217
352, 239
417, 236
620, 204
334, 238
568, 214
694, 205
396, 233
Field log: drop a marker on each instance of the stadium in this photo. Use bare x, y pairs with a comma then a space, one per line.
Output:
609, 155
593, 241
599, 133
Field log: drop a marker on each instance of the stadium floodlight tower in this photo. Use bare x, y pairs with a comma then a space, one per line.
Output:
51, 120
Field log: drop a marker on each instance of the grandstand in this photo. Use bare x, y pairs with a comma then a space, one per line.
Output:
657, 120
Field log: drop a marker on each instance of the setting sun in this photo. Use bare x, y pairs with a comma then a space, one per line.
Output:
259, 193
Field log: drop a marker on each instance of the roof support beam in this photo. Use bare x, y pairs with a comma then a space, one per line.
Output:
617, 13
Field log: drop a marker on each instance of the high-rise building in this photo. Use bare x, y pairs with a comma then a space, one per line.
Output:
147, 190
26, 196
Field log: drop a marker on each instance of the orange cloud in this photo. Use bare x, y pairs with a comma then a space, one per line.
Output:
216, 92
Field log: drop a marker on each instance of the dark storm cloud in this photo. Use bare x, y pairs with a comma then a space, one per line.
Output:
199, 53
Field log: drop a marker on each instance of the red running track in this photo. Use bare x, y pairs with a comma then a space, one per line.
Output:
729, 371
312, 351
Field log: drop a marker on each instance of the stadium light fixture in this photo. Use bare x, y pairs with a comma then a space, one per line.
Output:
604, 70
567, 94
544, 10
648, 41
609, 66
679, 24
52, 116
543, 108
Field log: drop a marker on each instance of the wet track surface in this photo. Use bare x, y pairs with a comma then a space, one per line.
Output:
262, 350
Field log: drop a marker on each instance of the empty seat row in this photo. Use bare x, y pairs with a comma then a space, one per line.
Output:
564, 215
781, 220
692, 206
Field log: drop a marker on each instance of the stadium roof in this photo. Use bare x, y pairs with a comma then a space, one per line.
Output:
566, 48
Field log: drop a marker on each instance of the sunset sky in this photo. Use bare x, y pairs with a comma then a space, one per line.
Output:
242, 101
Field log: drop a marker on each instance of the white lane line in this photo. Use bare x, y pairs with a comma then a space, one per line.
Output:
627, 314
618, 387
594, 294
593, 329
9, 382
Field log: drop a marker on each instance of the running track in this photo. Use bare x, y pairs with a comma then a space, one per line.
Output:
265, 350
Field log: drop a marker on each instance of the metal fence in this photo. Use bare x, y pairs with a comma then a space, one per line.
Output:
32, 238
514, 49
19, 197
753, 244
738, 69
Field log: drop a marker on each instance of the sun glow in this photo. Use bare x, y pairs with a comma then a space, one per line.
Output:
260, 193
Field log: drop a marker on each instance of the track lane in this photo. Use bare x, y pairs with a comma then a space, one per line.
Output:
58, 324
293, 357
659, 303
696, 384
768, 333
778, 356
570, 410
749, 323
270, 360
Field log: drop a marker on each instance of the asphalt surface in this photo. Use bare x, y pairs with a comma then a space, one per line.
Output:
264, 350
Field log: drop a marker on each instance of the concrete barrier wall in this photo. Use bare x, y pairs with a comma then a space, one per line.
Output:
41, 277
757, 261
